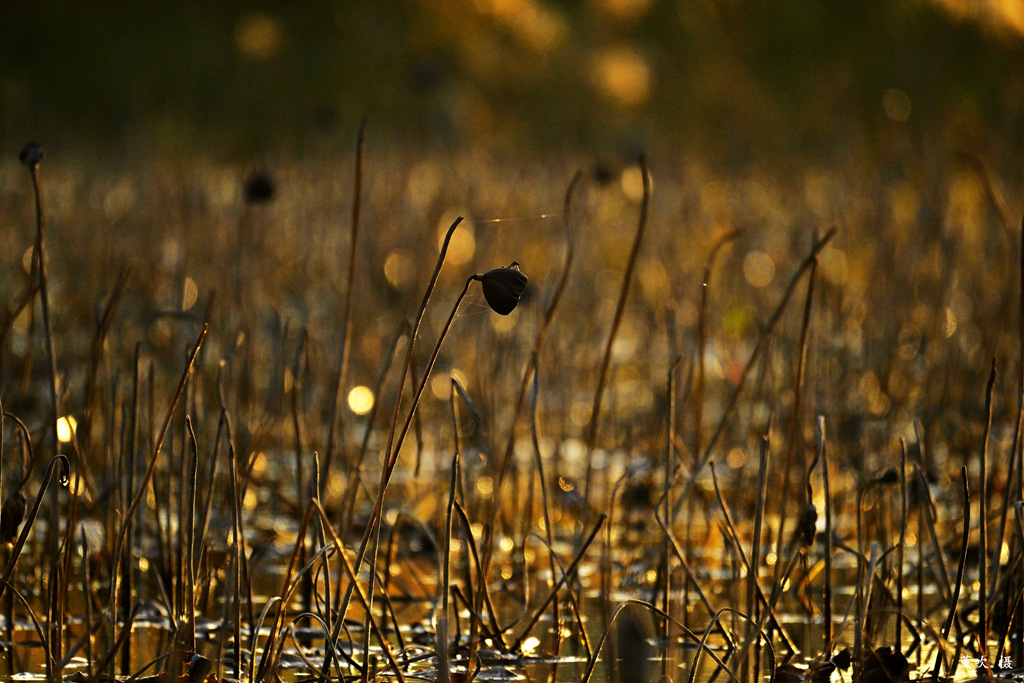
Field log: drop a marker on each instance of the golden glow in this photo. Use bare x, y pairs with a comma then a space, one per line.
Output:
770, 559
759, 269
485, 486
399, 268
66, 428
736, 458
621, 74
632, 182
258, 35
143, 564
530, 644
360, 400
441, 385
462, 244
189, 294
905, 204
503, 324
529, 21
950, 322
580, 413
565, 485
625, 10
506, 544
834, 265
896, 104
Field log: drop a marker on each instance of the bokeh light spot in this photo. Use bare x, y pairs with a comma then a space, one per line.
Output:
462, 244
633, 182
189, 294
623, 76
66, 428
759, 269
360, 400
258, 35
399, 268
896, 104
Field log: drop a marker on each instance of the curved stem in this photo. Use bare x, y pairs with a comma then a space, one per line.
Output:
65, 477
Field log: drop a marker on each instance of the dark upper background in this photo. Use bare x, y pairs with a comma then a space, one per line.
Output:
732, 81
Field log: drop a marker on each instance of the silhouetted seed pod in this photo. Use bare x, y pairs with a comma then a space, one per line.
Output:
788, 673
11, 515
890, 476
31, 154
843, 658
885, 665
503, 287
805, 526
823, 674
259, 188
198, 667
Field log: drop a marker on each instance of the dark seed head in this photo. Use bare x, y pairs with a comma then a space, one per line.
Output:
823, 674
788, 673
805, 527
13, 512
198, 667
885, 665
890, 476
259, 188
843, 658
31, 154
503, 287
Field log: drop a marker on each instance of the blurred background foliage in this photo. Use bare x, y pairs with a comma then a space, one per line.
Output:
731, 81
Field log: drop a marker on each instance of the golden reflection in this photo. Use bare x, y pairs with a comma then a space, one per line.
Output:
736, 458
632, 182
530, 645
622, 76
360, 400
580, 413
66, 428
399, 268
624, 10
189, 294
531, 22
423, 184
505, 324
904, 204
485, 486
759, 269
258, 35
462, 244
896, 104
834, 265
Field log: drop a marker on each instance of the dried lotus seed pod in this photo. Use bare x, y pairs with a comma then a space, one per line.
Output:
503, 287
